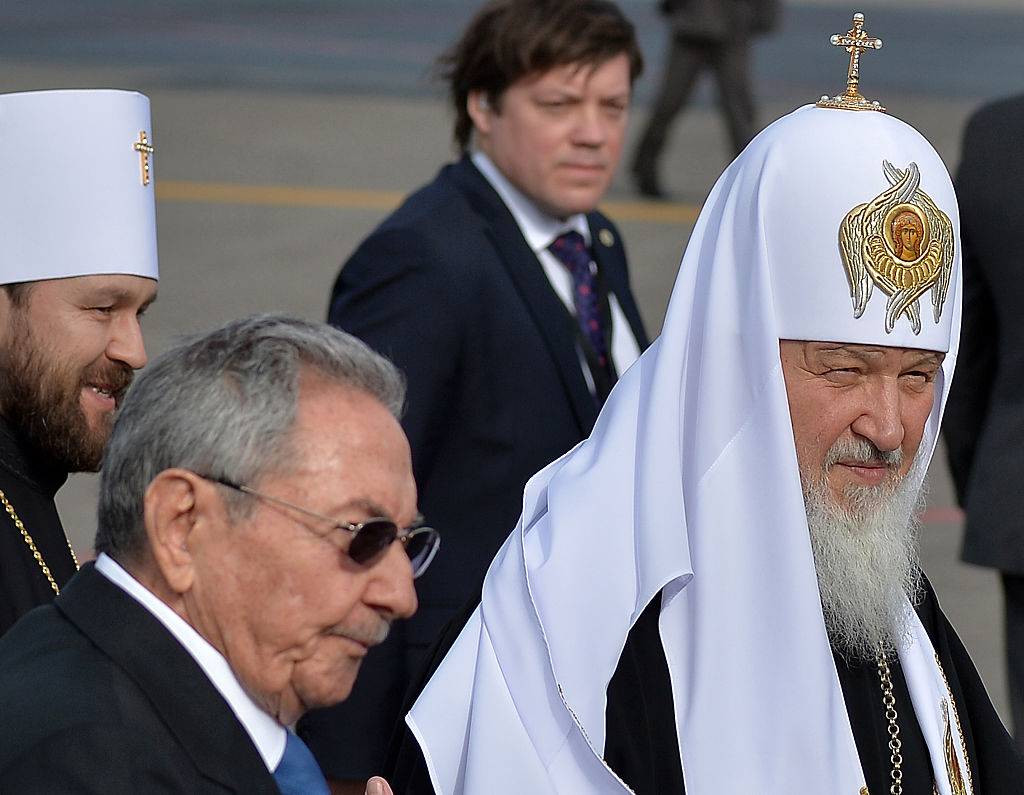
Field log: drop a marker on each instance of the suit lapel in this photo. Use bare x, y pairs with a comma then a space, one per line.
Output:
543, 305
192, 709
610, 257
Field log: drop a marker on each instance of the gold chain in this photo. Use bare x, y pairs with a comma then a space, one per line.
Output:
32, 544
895, 746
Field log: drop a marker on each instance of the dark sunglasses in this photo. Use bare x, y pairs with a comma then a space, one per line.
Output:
367, 541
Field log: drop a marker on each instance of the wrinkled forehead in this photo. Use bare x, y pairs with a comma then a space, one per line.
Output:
839, 352
835, 190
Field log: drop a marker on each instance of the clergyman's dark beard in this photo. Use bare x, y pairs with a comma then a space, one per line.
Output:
866, 554
40, 396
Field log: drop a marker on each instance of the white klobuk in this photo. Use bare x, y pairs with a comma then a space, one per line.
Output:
76, 185
689, 487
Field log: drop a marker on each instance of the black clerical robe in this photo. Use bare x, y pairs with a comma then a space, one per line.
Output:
641, 745
29, 484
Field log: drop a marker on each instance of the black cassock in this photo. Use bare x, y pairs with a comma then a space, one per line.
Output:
29, 484
641, 747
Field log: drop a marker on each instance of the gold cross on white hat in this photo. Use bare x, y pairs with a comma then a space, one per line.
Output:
144, 148
856, 42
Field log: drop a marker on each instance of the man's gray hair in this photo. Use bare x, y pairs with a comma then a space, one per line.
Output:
222, 404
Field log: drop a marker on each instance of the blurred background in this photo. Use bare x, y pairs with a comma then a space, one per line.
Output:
285, 131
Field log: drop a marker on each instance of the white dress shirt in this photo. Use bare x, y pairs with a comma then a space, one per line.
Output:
267, 734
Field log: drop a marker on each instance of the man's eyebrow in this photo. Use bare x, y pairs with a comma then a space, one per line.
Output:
113, 294
932, 357
372, 509
849, 350
872, 353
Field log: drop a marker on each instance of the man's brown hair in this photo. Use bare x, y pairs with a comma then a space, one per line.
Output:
511, 39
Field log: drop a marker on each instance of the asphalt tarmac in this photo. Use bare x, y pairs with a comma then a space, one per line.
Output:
285, 131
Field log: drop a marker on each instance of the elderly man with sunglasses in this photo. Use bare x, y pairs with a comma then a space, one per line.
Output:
255, 485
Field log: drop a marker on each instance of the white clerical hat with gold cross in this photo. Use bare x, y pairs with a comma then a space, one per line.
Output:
76, 185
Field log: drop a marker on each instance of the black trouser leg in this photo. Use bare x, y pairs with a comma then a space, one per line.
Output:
731, 63
1013, 595
684, 62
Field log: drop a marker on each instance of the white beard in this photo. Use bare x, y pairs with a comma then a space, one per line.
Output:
866, 555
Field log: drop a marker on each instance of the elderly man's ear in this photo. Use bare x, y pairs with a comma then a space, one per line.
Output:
178, 505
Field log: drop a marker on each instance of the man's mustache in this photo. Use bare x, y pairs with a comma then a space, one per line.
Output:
863, 451
110, 377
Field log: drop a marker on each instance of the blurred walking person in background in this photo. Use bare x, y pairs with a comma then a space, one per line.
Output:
705, 34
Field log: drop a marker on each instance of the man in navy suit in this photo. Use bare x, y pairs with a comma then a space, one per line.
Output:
252, 514
460, 289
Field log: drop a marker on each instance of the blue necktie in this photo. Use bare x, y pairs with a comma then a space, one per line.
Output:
298, 773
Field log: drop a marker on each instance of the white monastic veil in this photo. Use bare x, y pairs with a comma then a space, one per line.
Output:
689, 486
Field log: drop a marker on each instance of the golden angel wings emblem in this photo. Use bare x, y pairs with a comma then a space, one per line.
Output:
902, 242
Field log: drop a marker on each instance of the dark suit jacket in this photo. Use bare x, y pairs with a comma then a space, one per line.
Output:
718, 21
98, 697
448, 288
984, 421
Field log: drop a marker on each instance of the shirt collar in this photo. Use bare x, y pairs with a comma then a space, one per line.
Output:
539, 228
267, 734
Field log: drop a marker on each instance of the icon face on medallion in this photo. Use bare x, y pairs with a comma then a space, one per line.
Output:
905, 229
901, 242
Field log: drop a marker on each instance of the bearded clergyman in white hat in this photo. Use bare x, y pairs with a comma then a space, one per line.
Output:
719, 591
78, 267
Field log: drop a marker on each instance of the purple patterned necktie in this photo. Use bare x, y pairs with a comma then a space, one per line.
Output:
571, 250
